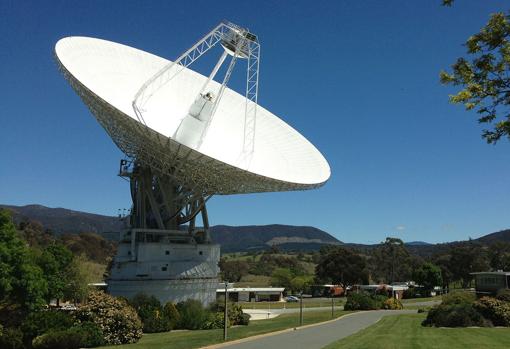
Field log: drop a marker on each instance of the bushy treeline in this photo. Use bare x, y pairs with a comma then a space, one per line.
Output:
31, 276
463, 309
190, 314
93, 246
367, 301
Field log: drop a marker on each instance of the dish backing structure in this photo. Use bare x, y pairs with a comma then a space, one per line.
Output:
186, 137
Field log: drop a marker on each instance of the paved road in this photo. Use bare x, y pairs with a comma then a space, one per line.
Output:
317, 337
325, 307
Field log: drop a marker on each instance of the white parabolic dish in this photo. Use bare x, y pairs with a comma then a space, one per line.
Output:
107, 76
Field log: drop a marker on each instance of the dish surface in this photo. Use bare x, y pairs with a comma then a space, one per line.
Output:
110, 74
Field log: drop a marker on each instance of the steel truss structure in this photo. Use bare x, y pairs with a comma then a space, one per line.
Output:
237, 41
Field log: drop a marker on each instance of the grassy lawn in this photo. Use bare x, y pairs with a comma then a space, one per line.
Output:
196, 339
405, 331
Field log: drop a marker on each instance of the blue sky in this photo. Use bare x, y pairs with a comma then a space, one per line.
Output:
357, 78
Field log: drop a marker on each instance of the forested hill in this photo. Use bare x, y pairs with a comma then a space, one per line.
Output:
232, 239
61, 220
260, 237
243, 238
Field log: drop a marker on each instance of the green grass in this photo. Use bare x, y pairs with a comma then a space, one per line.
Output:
196, 339
406, 332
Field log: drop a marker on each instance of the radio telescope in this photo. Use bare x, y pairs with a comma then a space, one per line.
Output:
186, 137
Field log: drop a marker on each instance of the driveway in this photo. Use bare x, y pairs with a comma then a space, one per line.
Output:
316, 336
326, 308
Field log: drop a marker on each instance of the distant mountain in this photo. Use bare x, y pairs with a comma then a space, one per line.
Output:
503, 235
232, 239
261, 237
62, 220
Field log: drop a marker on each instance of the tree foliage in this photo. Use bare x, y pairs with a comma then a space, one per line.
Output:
499, 255
233, 271
428, 275
484, 76
466, 259
21, 280
391, 261
340, 265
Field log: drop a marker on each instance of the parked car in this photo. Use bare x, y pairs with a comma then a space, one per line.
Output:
292, 299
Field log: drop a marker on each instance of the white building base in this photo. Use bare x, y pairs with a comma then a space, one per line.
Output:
167, 270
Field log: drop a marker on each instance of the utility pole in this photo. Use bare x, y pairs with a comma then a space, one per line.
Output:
332, 307
301, 309
226, 313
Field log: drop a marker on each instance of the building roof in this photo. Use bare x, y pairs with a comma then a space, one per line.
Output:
491, 273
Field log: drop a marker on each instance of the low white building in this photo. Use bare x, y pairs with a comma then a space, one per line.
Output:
252, 294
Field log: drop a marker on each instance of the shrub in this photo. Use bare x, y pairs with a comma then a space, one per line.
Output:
364, 301
245, 320
379, 300
84, 335
495, 310
215, 320
151, 313
90, 333
171, 312
235, 312
454, 315
11, 338
192, 314
504, 295
64, 339
459, 297
392, 304
118, 321
40, 322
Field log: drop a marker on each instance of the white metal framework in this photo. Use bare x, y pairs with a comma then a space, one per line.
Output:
239, 43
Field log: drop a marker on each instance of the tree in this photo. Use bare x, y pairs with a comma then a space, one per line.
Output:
282, 277
21, 280
340, 265
484, 76
466, 259
428, 276
391, 261
55, 261
301, 283
499, 255
77, 275
443, 262
233, 271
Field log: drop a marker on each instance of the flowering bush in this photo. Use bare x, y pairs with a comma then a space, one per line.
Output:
364, 301
495, 310
393, 304
118, 321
